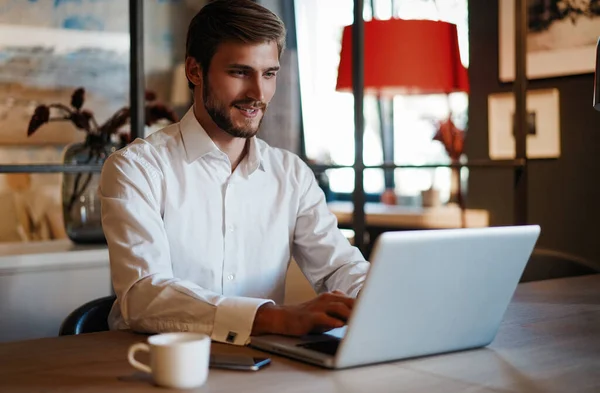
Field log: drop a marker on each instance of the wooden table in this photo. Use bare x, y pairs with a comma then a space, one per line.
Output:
381, 218
410, 217
549, 342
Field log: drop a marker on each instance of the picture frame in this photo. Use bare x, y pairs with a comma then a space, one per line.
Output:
543, 125
45, 65
50, 48
561, 39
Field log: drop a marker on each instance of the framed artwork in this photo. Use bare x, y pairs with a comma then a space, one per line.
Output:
561, 39
48, 48
543, 124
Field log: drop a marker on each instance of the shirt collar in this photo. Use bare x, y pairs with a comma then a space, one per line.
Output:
254, 159
197, 143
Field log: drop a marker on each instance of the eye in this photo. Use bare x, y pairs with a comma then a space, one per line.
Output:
238, 72
270, 74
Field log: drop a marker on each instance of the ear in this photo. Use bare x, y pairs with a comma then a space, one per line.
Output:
193, 71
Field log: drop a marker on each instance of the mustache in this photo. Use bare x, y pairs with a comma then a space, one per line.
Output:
252, 103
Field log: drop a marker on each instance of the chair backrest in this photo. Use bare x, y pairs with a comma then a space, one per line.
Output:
89, 318
545, 264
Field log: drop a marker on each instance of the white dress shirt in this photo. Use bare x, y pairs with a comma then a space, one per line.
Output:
195, 247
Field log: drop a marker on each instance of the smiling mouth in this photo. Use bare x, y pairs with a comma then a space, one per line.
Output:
248, 111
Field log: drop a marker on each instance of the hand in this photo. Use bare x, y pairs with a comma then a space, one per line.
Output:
327, 311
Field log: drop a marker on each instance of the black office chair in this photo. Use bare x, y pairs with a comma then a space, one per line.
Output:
545, 264
89, 318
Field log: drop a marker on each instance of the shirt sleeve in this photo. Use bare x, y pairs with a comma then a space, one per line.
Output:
149, 297
322, 252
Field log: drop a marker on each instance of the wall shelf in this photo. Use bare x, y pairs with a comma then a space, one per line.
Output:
50, 168
471, 164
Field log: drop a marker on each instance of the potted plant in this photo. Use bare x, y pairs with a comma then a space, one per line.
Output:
81, 205
453, 140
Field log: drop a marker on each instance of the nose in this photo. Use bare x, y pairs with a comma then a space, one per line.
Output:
256, 89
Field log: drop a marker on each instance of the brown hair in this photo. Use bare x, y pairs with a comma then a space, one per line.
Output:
222, 21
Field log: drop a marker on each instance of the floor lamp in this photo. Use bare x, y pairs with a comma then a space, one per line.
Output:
405, 57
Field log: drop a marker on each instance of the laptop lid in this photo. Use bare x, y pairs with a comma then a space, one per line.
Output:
435, 291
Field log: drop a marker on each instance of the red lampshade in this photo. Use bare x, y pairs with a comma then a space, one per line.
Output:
406, 57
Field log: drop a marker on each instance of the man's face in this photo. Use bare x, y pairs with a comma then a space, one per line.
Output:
239, 85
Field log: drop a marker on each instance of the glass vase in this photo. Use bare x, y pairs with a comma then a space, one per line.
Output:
80, 198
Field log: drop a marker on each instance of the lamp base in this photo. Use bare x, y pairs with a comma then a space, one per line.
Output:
389, 197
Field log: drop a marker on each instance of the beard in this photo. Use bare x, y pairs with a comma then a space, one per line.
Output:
219, 112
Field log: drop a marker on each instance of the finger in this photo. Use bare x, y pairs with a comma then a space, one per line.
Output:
333, 297
339, 311
338, 292
323, 322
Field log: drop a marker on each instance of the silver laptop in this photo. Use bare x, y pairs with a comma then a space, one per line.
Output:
427, 292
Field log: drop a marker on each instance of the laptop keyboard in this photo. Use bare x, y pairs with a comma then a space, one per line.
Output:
328, 347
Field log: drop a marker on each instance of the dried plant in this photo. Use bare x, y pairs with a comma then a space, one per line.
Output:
453, 140
452, 137
98, 136
84, 119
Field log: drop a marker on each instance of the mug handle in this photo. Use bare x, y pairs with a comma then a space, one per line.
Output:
131, 357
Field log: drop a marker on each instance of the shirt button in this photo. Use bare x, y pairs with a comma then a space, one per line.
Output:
230, 277
231, 228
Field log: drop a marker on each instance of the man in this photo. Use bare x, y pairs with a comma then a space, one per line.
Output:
201, 218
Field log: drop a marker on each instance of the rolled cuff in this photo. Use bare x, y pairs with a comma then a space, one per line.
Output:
234, 319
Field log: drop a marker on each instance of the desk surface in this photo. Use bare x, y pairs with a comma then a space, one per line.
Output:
395, 216
549, 342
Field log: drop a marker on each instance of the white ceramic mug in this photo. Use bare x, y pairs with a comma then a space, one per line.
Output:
177, 360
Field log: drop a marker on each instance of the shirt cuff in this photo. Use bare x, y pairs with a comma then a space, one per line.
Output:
234, 319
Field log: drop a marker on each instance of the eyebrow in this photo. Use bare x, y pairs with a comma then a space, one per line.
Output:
248, 68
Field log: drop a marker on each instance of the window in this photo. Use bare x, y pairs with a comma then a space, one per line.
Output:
328, 115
